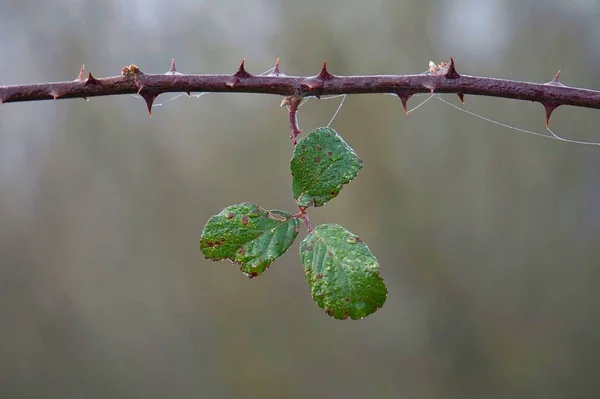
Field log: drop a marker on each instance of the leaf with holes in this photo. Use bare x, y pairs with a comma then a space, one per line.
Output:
342, 273
249, 235
321, 165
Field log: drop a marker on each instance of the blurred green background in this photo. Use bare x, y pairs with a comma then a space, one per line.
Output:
487, 237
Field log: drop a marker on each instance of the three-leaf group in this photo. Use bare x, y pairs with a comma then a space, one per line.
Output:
341, 271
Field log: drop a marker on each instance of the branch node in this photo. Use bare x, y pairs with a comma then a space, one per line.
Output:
549, 108
54, 94
131, 70
313, 84
324, 74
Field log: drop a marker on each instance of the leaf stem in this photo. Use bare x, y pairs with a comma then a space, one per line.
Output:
303, 215
292, 103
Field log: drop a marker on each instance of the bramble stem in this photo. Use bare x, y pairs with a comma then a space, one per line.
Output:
441, 78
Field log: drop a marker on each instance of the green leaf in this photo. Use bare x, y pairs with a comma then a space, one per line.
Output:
342, 273
321, 165
249, 235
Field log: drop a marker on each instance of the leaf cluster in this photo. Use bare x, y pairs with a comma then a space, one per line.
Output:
341, 272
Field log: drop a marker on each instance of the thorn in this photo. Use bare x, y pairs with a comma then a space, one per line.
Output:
81, 75
241, 72
462, 97
404, 98
324, 74
91, 80
149, 97
556, 80
189, 94
276, 70
54, 94
173, 69
451, 71
550, 107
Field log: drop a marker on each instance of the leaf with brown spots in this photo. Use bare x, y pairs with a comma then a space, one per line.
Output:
321, 165
342, 273
249, 235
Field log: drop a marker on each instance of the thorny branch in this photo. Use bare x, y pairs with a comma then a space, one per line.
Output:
442, 78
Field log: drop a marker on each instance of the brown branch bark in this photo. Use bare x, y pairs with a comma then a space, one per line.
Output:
441, 78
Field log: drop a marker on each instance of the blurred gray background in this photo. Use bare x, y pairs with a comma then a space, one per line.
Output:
487, 237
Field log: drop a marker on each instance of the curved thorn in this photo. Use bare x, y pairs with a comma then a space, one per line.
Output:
173, 69
556, 80
276, 70
241, 72
451, 71
462, 97
149, 97
91, 80
81, 75
324, 74
404, 99
549, 108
